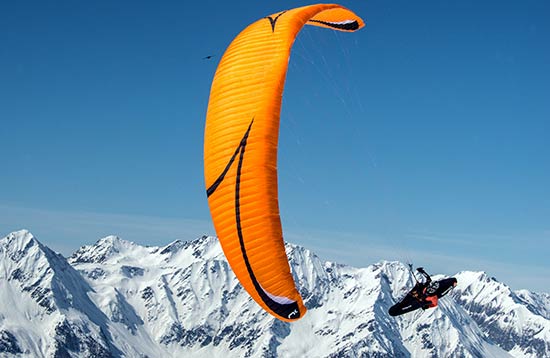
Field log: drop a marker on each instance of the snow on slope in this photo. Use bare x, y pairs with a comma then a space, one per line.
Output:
45, 306
125, 300
517, 322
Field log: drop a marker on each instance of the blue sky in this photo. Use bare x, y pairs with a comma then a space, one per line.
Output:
422, 137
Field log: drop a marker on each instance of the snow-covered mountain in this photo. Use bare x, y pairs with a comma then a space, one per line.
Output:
119, 299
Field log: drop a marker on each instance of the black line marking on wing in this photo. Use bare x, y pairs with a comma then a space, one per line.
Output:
219, 180
273, 21
285, 310
349, 26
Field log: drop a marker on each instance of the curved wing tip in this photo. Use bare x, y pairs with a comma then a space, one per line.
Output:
293, 316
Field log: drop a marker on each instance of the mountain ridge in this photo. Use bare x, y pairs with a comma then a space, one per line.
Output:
119, 299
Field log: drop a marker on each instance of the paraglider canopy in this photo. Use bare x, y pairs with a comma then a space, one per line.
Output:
240, 152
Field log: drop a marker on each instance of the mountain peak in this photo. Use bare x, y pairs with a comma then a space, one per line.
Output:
173, 247
102, 250
18, 244
110, 240
19, 239
115, 243
19, 234
41, 293
37, 270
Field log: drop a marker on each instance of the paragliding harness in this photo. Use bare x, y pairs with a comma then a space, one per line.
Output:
425, 292
423, 295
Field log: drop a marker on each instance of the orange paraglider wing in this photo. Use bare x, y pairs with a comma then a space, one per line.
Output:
240, 152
